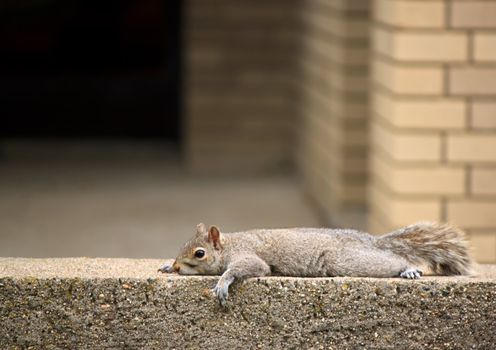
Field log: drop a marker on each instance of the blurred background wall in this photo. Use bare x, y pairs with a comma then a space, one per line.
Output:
366, 114
241, 67
430, 152
333, 124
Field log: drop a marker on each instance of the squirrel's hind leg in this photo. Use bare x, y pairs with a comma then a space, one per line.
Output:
411, 273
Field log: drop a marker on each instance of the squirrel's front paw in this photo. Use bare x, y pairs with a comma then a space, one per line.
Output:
221, 292
411, 274
167, 267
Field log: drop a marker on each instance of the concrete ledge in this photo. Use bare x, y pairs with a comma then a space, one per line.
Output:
120, 303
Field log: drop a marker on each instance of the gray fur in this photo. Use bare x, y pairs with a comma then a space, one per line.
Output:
322, 252
440, 246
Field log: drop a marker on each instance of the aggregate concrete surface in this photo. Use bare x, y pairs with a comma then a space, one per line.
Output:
81, 303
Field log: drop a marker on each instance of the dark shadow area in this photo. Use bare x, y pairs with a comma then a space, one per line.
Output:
90, 69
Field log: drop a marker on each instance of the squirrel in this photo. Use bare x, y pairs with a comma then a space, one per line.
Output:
321, 252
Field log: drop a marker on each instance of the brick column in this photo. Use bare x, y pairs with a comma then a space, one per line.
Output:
434, 117
334, 107
238, 89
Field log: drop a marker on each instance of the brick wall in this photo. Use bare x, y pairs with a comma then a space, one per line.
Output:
265, 81
333, 111
433, 120
238, 88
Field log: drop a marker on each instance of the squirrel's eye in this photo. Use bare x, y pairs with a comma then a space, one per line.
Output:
199, 253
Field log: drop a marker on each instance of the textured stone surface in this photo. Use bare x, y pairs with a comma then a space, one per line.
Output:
119, 303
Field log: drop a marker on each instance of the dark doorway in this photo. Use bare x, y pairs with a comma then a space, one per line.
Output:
90, 69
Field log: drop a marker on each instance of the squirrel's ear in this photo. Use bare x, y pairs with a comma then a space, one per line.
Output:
201, 229
214, 237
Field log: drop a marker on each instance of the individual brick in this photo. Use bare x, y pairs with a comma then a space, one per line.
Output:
484, 114
484, 245
348, 27
402, 79
485, 46
342, 108
404, 146
473, 80
472, 148
406, 212
420, 113
402, 211
344, 55
411, 14
421, 47
473, 14
483, 181
472, 213
444, 47
382, 40
349, 82
376, 225
347, 5
436, 180
342, 27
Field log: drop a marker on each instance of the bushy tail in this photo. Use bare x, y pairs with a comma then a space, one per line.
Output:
441, 246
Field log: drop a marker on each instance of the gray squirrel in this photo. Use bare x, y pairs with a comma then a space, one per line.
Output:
321, 252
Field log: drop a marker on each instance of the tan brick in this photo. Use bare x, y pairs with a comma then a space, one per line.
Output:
347, 55
473, 81
401, 212
485, 46
420, 113
376, 225
483, 181
349, 82
430, 47
421, 47
344, 5
405, 146
473, 14
347, 27
407, 79
406, 212
411, 14
484, 245
472, 148
382, 41
438, 180
338, 26
484, 114
341, 108
472, 213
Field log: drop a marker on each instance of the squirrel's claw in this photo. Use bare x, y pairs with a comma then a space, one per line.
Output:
221, 293
411, 274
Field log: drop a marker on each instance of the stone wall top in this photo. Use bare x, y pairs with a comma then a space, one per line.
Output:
122, 303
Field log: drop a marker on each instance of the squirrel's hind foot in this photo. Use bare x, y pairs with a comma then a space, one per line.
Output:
411, 274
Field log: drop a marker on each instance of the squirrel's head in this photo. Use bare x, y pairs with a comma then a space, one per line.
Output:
202, 254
